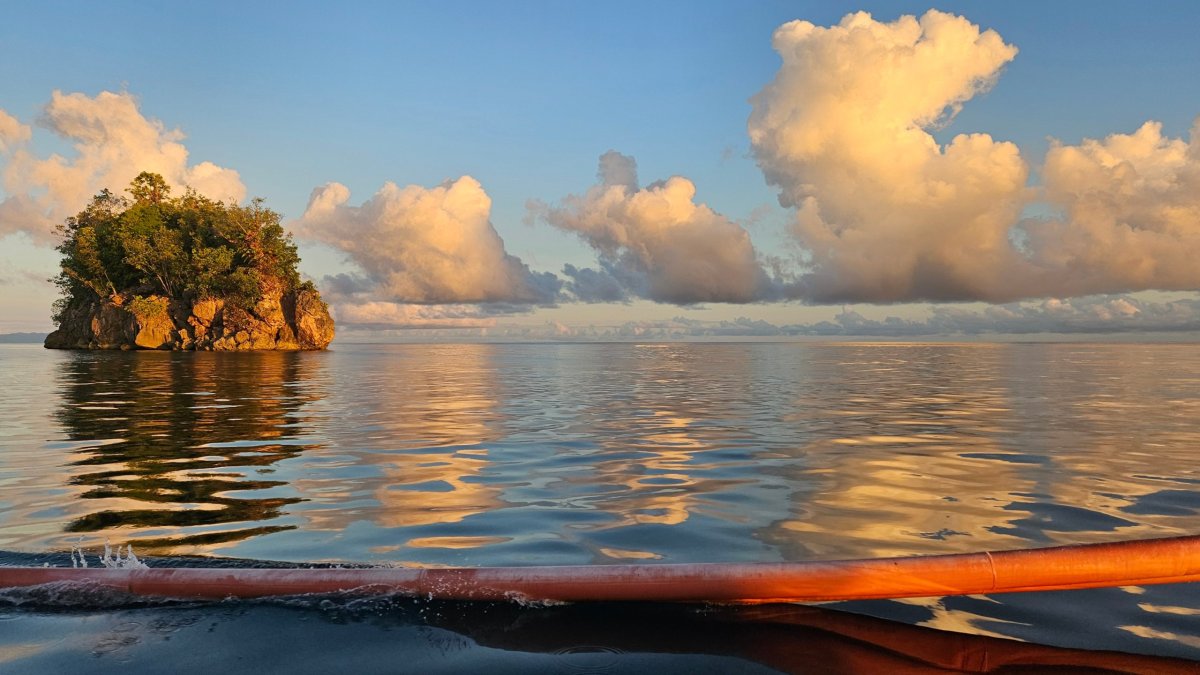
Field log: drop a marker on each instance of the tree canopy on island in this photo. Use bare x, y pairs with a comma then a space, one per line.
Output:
184, 248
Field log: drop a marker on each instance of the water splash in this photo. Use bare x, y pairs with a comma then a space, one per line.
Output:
127, 562
77, 557
119, 560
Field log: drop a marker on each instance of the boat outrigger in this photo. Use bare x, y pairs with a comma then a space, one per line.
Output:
1131, 563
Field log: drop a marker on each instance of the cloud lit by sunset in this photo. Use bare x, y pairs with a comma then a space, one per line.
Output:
113, 142
657, 242
888, 214
453, 326
887, 190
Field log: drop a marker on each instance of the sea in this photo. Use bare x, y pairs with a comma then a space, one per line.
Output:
523, 454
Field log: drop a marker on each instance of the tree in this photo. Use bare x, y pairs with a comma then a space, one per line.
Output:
149, 187
186, 248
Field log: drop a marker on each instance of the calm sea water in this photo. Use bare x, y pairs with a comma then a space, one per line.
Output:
541, 454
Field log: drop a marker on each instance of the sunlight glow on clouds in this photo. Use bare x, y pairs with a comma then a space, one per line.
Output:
843, 131
879, 210
1090, 314
886, 214
1131, 206
12, 132
113, 143
418, 245
656, 242
377, 314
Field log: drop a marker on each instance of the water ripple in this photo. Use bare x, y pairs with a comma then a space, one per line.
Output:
574, 454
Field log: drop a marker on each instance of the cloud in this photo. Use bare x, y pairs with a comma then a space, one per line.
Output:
618, 169
656, 242
343, 285
14, 273
12, 132
1086, 314
1131, 214
418, 245
589, 285
113, 142
385, 315
1092, 315
843, 131
887, 214
353, 300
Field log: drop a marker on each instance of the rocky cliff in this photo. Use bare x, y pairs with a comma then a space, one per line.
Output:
295, 320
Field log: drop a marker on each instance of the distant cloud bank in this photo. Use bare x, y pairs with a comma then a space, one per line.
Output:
1091, 315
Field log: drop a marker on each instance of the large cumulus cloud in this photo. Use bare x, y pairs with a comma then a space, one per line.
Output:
1130, 214
113, 142
422, 246
843, 131
656, 242
885, 213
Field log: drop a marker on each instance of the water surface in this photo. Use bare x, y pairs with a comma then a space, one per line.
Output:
538, 454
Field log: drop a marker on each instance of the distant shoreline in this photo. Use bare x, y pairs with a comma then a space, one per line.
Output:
22, 338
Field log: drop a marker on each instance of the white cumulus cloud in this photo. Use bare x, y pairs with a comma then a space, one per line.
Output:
1130, 209
885, 213
12, 132
843, 131
418, 245
656, 242
113, 142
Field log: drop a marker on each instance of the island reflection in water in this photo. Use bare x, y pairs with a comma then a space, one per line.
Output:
190, 442
589, 454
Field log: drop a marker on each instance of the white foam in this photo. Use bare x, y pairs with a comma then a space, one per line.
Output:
77, 558
127, 562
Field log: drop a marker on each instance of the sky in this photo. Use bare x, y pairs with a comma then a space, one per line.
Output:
551, 169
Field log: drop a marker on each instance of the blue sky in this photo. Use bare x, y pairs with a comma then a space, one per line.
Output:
524, 97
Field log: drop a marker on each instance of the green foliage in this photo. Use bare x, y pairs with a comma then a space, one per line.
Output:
148, 308
184, 248
149, 187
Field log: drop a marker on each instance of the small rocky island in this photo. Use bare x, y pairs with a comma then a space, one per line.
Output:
185, 273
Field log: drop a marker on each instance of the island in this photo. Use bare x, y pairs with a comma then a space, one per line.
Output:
152, 271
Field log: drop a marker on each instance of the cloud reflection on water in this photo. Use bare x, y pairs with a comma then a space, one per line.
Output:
579, 453
531, 454
415, 428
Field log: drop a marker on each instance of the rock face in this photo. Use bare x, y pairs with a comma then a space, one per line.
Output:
298, 320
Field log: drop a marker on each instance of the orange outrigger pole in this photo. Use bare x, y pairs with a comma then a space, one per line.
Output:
1133, 563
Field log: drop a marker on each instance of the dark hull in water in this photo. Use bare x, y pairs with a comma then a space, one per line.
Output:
388, 635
